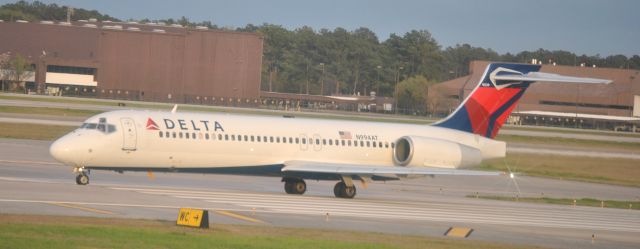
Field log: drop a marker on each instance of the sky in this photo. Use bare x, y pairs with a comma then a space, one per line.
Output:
592, 27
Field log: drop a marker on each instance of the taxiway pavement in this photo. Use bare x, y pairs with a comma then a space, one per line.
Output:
33, 183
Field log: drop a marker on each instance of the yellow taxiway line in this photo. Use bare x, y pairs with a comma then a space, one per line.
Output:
238, 216
93, 210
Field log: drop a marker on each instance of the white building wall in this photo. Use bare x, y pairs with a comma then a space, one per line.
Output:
71, 79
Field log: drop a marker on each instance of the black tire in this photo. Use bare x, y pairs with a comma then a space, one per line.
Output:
342, 191
349, 192
288, 187
82, 179
295, 186
338, 189
299, 187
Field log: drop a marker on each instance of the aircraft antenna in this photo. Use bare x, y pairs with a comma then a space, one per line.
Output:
175, 108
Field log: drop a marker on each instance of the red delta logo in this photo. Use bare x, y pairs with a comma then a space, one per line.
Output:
151, 125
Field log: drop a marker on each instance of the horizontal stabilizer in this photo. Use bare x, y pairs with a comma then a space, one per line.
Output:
548, 77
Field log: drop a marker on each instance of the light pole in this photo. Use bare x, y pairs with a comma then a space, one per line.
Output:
322, 80
378, 82
395, 91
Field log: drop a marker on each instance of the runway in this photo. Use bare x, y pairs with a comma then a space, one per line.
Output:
31, 182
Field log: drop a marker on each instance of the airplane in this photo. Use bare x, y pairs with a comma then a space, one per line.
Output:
298, 149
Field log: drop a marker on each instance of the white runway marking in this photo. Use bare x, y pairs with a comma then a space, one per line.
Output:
467, 211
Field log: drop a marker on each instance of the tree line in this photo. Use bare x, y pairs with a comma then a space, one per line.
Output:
346, 62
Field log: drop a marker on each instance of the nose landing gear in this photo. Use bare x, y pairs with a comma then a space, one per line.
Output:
83, 177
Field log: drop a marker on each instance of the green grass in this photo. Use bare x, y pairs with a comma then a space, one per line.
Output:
572, 130
635, 205
616, 171
51, 232
33, 131
48, 111
571, 142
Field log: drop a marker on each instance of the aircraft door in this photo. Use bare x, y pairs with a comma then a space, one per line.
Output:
304, 142
129, 134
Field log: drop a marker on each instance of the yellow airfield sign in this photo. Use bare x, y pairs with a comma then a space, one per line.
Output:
193, 218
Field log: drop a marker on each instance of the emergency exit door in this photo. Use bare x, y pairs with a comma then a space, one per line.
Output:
129, 134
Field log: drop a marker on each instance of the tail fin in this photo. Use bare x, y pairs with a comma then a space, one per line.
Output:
486, 109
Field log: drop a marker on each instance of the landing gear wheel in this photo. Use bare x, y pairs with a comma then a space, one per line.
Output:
82, 179
295, 186
342, 191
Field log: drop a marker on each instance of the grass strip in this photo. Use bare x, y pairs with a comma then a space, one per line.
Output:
587, 202
51, 232
33, 131
48, 111
570, 142
618, 171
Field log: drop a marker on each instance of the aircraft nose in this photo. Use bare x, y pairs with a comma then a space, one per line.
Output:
62, 151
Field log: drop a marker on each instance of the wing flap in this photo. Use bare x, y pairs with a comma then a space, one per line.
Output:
345, 169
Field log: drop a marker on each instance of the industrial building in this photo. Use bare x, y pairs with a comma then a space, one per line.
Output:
615, 106
147, 62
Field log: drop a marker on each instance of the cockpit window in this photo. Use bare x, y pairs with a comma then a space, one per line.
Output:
102, 126
88, 126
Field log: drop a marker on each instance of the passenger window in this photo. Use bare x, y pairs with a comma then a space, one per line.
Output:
317, 141
393, 145
361, 143
258, 138
386, 144
330, 142
368, 144
304, 141
290, 140
233, 137
380, 144
277, 139
186, 135
206, 136
220, 137
174, 134
161, 134
253, 138
297, 140
264, 138
246, 138
271, 139
324, 142
240, 138
226, 137
374, 144
349, 143
193, 135
180, 134
342, 142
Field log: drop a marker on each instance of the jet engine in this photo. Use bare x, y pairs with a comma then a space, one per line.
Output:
412, 151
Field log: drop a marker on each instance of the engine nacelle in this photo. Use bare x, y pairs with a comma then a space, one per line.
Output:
413, 151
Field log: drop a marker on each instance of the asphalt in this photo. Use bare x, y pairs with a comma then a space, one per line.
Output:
33, 183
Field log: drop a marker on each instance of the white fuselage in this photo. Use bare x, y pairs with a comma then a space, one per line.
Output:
153, 139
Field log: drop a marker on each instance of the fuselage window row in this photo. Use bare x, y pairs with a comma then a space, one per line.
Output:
272, 139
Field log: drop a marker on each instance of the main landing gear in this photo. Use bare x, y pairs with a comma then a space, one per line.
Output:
294, 186
343, 189
83, 176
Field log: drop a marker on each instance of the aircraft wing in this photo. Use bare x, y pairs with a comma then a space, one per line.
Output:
366, 170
